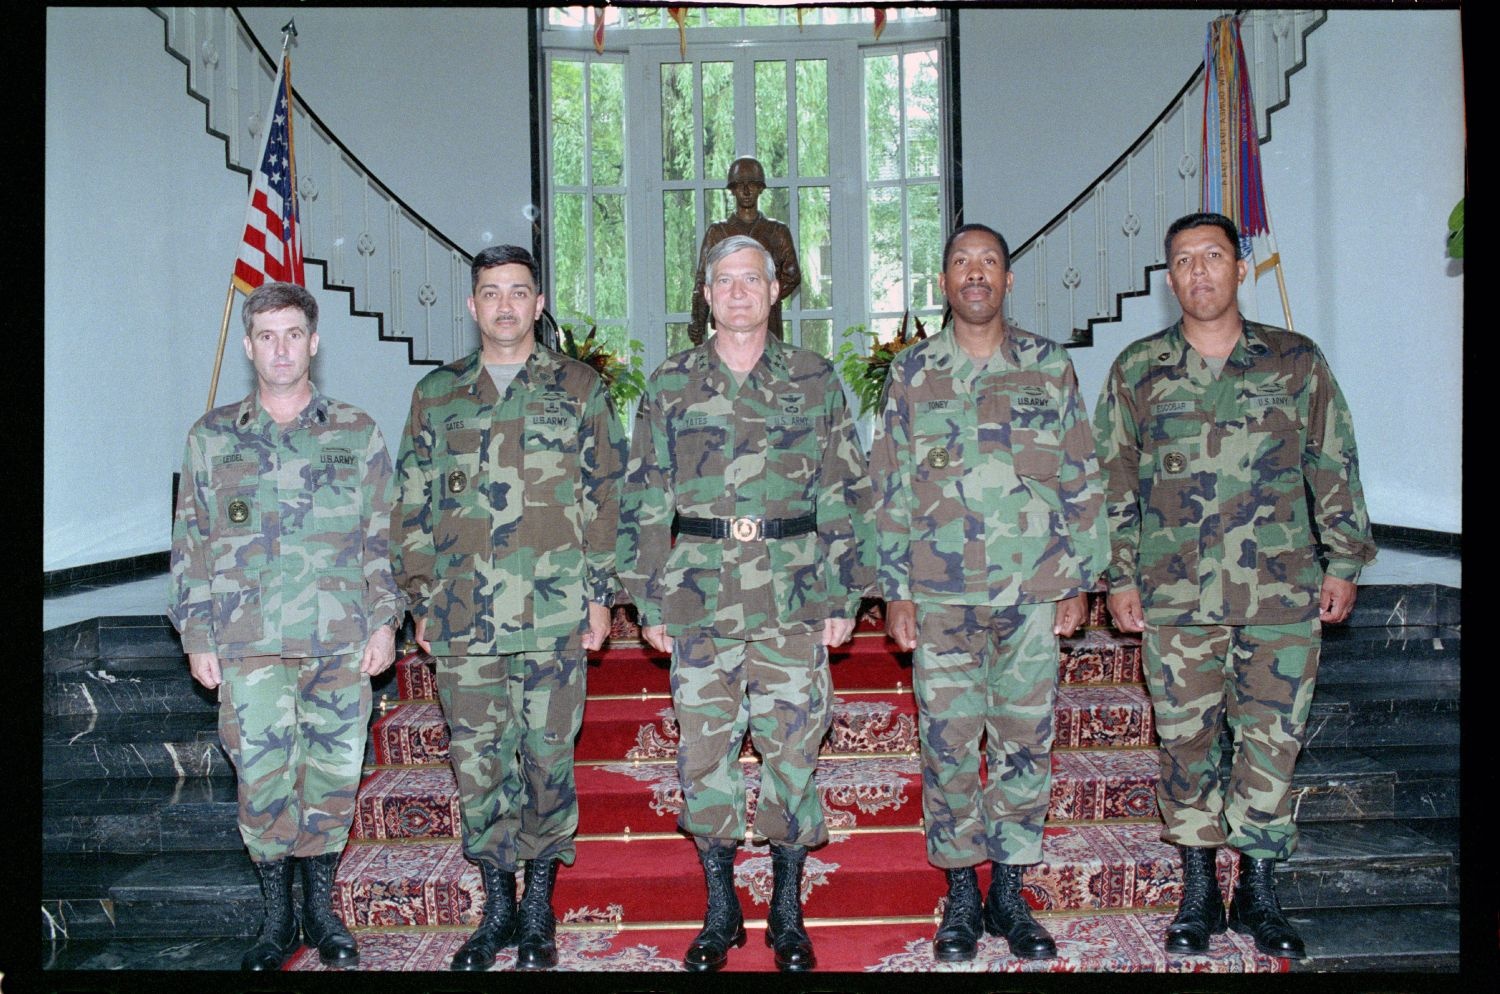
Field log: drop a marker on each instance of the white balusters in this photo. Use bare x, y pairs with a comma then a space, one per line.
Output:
228, 70
1168, 158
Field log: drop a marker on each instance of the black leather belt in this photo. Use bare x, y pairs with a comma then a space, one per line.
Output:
748, 528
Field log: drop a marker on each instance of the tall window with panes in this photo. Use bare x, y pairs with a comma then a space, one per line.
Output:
850, 131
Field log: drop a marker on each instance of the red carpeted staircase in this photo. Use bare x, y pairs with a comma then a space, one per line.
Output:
634, 898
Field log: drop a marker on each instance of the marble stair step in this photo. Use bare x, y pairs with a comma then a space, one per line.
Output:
188, 894
1085, 717
1397, 605
111, 637
186, 952
132, 745
1381, 655
870, 874
1369, 863
139, 814
1425, 713
1380, 940
75, 899
150, 684
1336, 784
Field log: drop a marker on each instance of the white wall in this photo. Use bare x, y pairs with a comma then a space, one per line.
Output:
434, 101
1051, 97
142, 228
1364, 165
142, 223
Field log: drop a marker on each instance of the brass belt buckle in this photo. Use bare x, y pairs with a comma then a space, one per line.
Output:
745, 529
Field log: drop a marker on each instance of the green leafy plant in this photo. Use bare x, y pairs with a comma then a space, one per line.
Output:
866, 372
1456, 231
624, 378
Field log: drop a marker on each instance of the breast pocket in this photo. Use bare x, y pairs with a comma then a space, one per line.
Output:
1274, 436
552, 425
936, 442
455, 491
338, 504
795, 445
238, 546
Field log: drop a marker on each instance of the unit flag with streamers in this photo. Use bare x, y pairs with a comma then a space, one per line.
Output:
1232, 183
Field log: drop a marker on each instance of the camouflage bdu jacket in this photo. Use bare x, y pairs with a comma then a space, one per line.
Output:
1209, 481
505, 523
781, 445
279, 543
987, 479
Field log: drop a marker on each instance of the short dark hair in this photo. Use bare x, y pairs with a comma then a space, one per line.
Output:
1199, 220
275, 297
503, 255
948, 245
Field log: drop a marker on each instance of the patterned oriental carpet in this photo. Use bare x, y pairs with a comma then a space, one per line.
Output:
1106, 888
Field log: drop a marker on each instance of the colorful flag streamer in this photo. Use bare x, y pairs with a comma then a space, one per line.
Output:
679, 14
1232, 181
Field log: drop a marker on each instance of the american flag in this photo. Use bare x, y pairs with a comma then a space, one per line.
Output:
271, 248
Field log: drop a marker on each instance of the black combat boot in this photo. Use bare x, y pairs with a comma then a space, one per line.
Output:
785, 933
278, 927
1006, 913
497, 929
723, 922
536, 946
1254, 910
1201, 911
957, 938
321, 927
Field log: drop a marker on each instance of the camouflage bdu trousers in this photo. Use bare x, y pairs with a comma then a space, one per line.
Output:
1261, 677
295, 729
989, 671
777, 688
512, 720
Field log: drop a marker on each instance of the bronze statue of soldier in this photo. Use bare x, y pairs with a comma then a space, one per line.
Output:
747, 180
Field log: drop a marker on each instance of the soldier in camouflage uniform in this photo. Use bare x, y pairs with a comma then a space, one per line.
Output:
991, 528
282, 590
1228, 454
504, 541
747, 442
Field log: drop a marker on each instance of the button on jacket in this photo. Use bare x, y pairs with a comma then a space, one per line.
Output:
508, 506
987, 476
781, 445
1220, 490
280, 537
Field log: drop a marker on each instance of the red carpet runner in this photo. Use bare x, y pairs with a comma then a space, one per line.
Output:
634, 898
